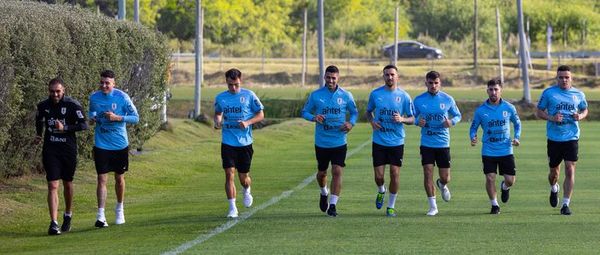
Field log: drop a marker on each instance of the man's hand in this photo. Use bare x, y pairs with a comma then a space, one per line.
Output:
576, 116
422, 122
58, 126
558, 117
398, 118
447, 123
244, 124
319, 118
516, 142
474, 141
112, 116
217, 125
346, 127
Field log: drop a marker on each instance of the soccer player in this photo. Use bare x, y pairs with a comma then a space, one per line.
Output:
110, 110
235, 111
435, 112
563, 106
494, 116
59, 117
327, 107
389, 107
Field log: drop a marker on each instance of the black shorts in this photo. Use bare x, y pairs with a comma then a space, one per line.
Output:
387, 155
238, 157
559, 151
335, 155
111, 160
59, 166
506, 164
435, 156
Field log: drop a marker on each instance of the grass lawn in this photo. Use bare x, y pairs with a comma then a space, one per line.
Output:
175, 195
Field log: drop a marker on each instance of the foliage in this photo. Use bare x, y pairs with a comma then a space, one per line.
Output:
39, 42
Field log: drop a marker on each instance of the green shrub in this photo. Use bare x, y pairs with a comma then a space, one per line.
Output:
40, 41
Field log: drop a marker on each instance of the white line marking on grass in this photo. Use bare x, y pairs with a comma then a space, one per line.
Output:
229, 224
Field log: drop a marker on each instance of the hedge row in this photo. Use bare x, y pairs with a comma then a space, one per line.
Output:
40, 41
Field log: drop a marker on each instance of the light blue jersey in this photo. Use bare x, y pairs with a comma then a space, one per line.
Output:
112, 135
384, 104
334, 106
567, 102
236, 108
435, 109
495, 121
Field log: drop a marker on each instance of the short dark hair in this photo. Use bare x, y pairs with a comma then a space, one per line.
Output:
55, 81
107, 74
494, 82
390, 67
563, 68
432, 75
233, 74
332, 69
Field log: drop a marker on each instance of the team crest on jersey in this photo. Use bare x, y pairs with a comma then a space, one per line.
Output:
340, 100
442, 106
63, 110
398, 99
504, 114
79, 114
242, 100
114, 106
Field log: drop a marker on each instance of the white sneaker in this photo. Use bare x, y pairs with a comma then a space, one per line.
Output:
432, 211
444, 190
233, 213
120, 217
248, 199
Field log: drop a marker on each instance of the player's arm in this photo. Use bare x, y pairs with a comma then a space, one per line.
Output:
543, 114
517, 127
218, 120
473, 129
351, 107
308, 109
580, 115
258, 116
456, 115
131, 114
39, 125
408, 117
80, 122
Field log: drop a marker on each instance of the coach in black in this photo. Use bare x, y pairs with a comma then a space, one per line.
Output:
59, 117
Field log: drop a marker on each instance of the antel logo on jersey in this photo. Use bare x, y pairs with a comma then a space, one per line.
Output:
63, 110
232, 109
442, 106
504, 114
565, 106
496, 123
386, 111
398, 99
242, 100
340, 100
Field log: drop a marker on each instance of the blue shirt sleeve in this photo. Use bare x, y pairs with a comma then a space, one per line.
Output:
543, 102
455, 112
351, 106
474, 125
516, 123
416, 112
131, 115
408, 106
308, 108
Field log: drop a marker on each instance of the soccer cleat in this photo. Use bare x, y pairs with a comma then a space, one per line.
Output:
495, 209
101, 224
432, 211
233, 213
390, 212
323, 203
379, 200
248, 199
53, 229
332, 211
66, 225
564, 210
444, 190
554, 197
505, 193
120, 217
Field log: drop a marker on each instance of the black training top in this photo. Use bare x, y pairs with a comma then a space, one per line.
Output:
69, 112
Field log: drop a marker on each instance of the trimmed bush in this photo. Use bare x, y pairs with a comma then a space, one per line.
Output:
40, 41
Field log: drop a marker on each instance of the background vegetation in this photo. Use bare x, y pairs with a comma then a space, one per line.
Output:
39, 42
359, 28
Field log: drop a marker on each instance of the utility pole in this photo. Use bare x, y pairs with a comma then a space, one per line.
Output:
136, 11
121, 13
499, 35
395, 57
304, 45
523, 53
475, 35
321, 34
198, 48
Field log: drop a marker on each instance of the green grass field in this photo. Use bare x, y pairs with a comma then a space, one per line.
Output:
175, 196
478, 94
